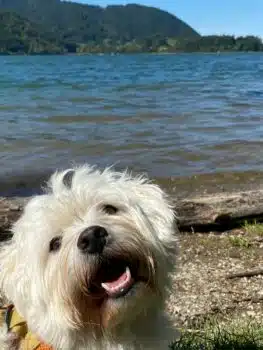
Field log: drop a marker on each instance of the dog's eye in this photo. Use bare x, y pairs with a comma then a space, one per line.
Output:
109, 209
55, 244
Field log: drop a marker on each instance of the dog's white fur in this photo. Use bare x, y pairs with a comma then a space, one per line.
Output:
48, 288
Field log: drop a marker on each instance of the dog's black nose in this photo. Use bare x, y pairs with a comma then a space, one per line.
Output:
92, 240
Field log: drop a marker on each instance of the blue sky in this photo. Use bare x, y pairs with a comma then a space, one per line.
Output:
239, 17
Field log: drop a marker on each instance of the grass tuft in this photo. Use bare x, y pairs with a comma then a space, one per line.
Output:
228, 337
254, 229
239, 241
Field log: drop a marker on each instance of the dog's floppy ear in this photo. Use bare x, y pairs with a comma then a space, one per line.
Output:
159, 213
8, 254
158, 208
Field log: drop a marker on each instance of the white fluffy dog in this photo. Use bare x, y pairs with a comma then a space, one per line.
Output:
89, 263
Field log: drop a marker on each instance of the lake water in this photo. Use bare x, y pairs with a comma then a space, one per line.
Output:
184, 119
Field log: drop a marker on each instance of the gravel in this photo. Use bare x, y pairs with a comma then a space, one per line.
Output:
201, 290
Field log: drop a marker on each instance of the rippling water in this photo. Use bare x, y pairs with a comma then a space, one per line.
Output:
173, 116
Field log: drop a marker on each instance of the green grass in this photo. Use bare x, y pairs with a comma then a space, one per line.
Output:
239, 241
229, 337
254, 229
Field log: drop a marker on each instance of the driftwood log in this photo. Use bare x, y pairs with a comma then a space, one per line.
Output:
10, 210
247, 273
218, 211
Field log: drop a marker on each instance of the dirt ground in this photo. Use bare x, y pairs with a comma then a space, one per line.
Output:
201, 290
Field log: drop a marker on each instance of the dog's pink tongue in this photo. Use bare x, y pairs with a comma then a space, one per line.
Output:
120, 285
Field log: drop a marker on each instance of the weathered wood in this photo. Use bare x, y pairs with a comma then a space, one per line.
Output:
10, 210
220, 210
241, 274
216, 211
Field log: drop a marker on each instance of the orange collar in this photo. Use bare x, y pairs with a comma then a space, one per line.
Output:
16, 324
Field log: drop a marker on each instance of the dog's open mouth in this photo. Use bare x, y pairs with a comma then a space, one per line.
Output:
120, 284
113, 277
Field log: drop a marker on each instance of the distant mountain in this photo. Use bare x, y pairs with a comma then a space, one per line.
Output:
19, 35
80, 23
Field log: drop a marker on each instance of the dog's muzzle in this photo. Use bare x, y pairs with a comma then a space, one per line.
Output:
113, 274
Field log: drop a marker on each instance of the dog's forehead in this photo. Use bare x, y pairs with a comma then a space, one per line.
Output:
99, 187
67, 214
92, 179
81, 199
78, 195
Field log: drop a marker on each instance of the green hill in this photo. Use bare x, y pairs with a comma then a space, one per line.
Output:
53, 26
80, 23
18, 35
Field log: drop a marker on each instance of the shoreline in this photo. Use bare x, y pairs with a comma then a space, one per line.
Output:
28, 183
216, 53
218, 212
202, 203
